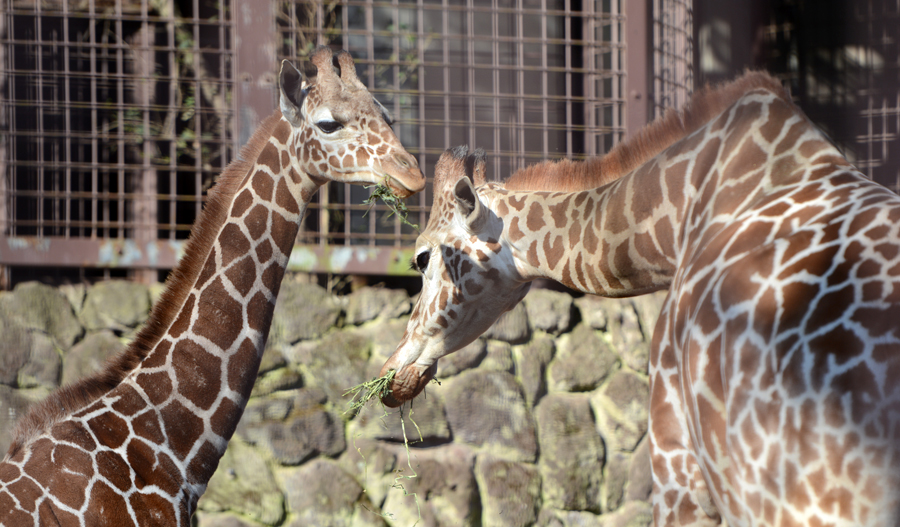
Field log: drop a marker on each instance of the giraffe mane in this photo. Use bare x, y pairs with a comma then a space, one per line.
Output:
705, 104
80, 394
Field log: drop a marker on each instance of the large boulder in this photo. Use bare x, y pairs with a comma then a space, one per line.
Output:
293, 429
90, 355
369, 303
550, 311
597, 310
461, 360
116, 305
628, 324
13, 405
488, 409
648, 308
376, 465
281, 379
622, 410
640, 474
75, 294
634, 514
243, 484
334, 364
510, 492
204, 519
382, 335
615, 478
303, 311
511, 327
424, 420
43, 367
572, 453
436, 488
498, 357
557, 518
531, 365
44, 309
322, 493
628, 338
583, 360
15, 350
29, 357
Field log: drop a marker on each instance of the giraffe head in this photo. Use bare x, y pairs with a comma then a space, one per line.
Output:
340, 132
469, 278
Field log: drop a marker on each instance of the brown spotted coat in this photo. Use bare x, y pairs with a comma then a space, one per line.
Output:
136, 444
775, 364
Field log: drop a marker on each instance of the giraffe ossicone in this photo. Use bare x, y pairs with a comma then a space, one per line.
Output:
775, 363
136, 444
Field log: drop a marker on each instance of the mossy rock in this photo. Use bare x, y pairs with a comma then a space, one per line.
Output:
510, 491
116, 305
303, 311
244, 484
43, 308
488, 409
572, 453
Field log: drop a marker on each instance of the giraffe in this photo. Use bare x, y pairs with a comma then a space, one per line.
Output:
774, 391
137, 443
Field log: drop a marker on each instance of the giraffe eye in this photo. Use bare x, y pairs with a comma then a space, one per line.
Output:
421, 262
329, 127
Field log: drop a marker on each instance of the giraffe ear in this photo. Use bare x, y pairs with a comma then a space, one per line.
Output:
468, 205
292, 90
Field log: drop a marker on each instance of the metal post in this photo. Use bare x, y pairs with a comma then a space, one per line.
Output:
255, 65
637, 49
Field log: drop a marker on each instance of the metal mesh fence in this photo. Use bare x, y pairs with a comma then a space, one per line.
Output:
118, 114
841, 61
525, 80
673, 50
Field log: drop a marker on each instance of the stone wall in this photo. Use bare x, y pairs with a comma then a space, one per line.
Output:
540, 422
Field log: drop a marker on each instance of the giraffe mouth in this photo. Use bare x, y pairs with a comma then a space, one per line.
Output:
401, 189
402, 175
408, 382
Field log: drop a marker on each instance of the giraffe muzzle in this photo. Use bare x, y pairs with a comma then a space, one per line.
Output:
409, 381
403, 175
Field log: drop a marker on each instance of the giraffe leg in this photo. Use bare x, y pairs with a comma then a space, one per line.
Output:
680, 495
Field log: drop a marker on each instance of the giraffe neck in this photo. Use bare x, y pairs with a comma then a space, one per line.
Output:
627, 237
201, 371
176, 395
592, 241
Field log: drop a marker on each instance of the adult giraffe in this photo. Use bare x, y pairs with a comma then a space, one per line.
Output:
775, 363
137, 443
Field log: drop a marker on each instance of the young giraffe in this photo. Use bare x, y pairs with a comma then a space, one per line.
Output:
137, 443
774, 391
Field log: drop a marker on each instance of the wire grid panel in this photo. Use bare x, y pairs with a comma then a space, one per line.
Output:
878, 139
673, 51
116, 116
525, 80
847, 78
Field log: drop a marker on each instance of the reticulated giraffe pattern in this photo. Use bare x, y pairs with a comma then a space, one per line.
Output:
775, 363
137, 443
